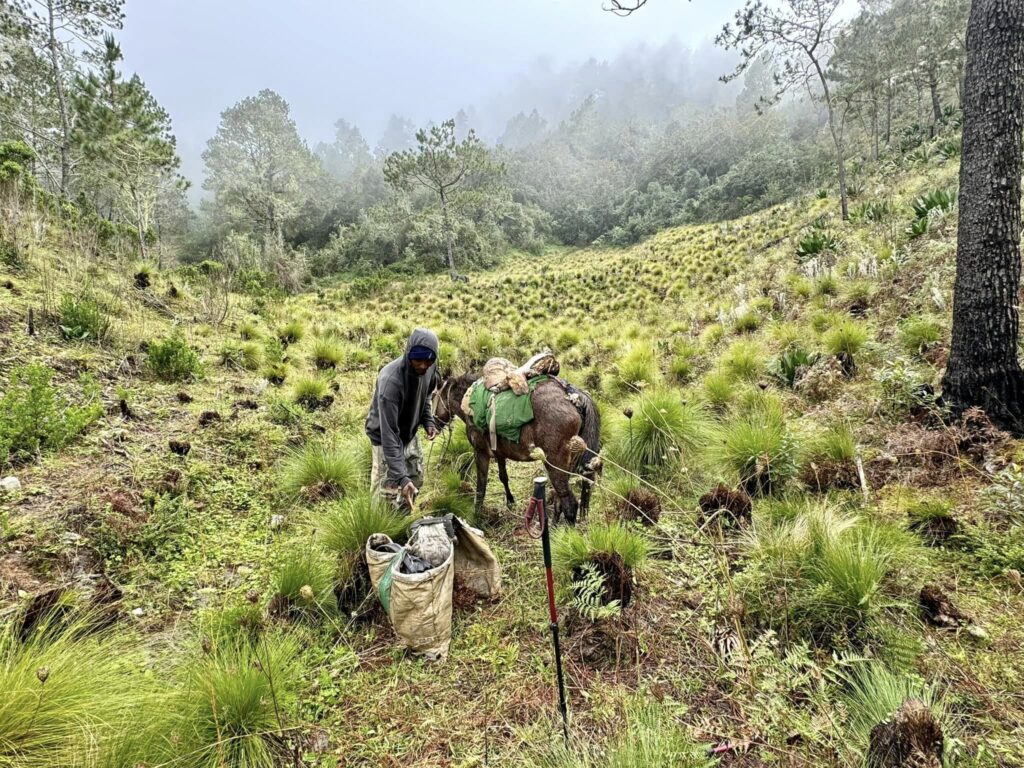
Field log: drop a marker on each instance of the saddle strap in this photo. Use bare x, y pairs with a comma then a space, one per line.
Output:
492, 421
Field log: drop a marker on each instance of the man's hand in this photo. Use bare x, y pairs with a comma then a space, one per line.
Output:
431, 433
409, 491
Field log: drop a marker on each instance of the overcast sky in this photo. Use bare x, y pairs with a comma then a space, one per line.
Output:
365, 60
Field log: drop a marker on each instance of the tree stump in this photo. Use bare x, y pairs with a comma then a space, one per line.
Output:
911, 738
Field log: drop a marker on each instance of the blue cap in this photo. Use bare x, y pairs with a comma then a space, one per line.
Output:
420, 352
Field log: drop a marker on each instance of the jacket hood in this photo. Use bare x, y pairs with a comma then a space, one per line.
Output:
422, 337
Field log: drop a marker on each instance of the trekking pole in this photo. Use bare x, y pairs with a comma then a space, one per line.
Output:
537, 508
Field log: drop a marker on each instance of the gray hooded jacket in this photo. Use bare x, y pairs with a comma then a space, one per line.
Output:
401, 404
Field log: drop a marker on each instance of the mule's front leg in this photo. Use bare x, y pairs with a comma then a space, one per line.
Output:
510, 501
483, 466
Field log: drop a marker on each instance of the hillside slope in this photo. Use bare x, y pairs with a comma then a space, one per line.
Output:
787, 354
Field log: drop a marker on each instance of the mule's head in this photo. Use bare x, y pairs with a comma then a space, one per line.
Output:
447, 400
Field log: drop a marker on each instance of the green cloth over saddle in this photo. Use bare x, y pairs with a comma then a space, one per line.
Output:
511, 411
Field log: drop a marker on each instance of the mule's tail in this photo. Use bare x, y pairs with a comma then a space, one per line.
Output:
589, 463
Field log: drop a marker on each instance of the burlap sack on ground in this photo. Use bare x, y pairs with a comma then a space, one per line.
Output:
475, 564
418, 604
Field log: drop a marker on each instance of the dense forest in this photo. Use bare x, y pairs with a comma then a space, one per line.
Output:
603, 153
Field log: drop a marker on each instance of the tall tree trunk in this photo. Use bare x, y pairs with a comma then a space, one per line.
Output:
62, 104
983, 368
448, 236
888, 114
837, 137
933, 87
874, 125
139, 227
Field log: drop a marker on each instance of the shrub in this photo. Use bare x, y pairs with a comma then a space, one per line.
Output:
235, 700
320, 471
291, 332
918, 334
871, 210
758, 447
902, 387
1004, 497
302, 583
743, 361
943, 200
346, 525
34, 417
172, 359
327, 354
663, 428
637, 369
847, 337
719, 389
790, 363
815, 243
82, 319
310, 392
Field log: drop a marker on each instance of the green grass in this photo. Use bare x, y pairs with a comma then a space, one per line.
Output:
235, 699
918, 334
343, 527
572, 548
247, 356
828, 565
743, 361
663, 434
327, 354
758, 448
451, 495
291, 332
308, 390
636, 370
719, 389
872, 692
302, 581
835, 444
67, 691
846, 337
320, 471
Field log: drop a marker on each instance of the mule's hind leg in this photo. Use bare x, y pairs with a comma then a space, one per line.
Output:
510, 501
483, 466
585, 491
564, 498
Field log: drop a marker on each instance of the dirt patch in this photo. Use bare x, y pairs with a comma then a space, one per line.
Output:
640, 504
824, 474
938, 609
723, 503
926, 455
